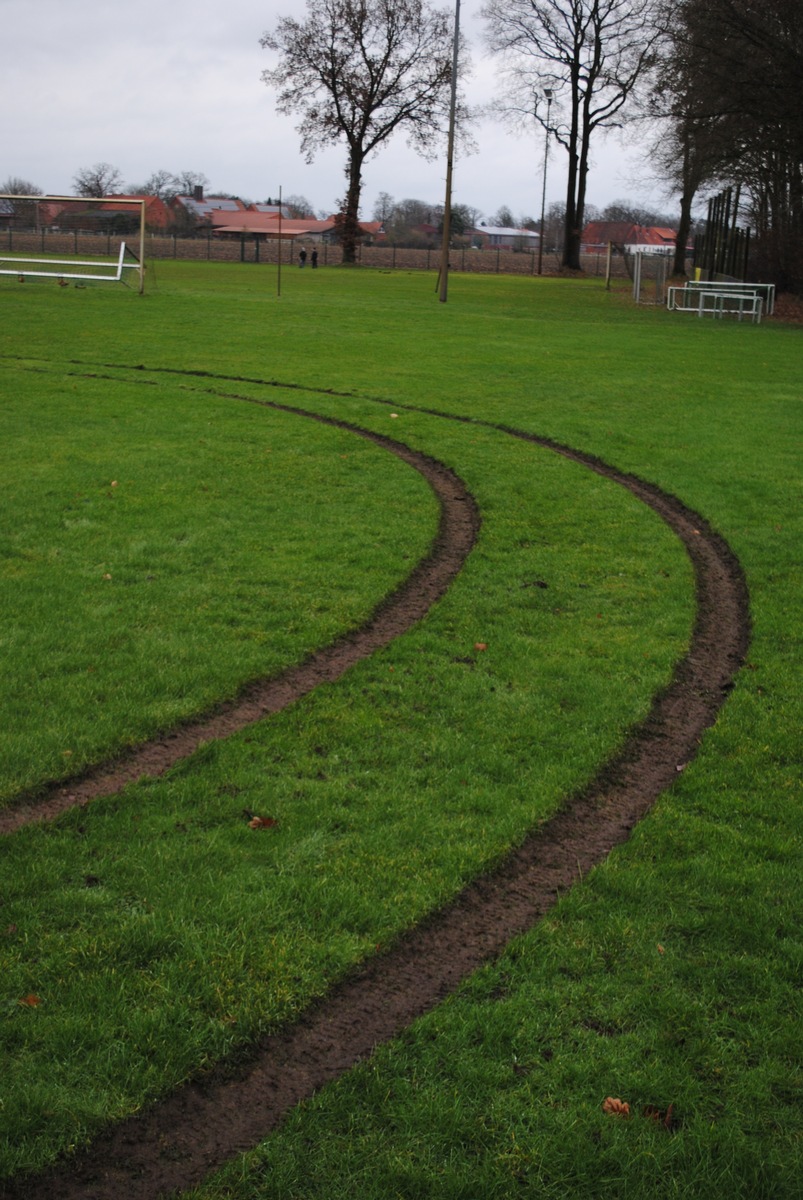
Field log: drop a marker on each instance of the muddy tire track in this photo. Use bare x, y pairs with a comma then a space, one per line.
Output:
458, 527
176, 1143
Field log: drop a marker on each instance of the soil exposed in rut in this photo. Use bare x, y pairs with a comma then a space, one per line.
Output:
175, 1143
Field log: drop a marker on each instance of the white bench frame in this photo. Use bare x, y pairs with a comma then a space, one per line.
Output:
709, 300
765, 290
116, 268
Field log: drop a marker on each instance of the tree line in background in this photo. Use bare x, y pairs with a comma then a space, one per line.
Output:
717, 82
727, 94
711, 88
408, 223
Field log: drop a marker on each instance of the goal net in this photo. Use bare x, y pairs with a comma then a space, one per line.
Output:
73, 238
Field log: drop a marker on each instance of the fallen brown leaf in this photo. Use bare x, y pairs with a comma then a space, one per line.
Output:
31, 1001
616, 1108
659, 1115
262, 823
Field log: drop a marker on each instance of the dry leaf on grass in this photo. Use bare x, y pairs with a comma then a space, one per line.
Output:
659, 1115
31, 1001
262, 823
616, 1108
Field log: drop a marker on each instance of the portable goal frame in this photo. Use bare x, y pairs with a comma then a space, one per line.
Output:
23, 266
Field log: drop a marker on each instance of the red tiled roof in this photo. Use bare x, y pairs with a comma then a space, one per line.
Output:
626, 233
156, 211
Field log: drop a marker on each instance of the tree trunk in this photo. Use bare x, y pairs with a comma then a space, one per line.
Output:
569, 217
573, 251
577, 148
350, 224
684, 226
688, 192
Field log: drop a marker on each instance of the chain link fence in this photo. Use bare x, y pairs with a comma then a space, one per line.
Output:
208, 247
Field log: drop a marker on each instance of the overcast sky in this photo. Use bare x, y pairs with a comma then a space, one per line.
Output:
175, 85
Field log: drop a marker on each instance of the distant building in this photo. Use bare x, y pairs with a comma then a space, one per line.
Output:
157, 214
624, 235
203, 209
504, 237
275, 209
226, 218
109, 214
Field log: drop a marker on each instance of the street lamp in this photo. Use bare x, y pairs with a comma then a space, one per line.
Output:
548, 94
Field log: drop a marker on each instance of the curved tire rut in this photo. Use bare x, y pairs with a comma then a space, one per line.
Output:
458, 527
177, 1142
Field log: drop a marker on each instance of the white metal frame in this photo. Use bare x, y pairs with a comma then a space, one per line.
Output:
117, 268
661, 258
765, 290
710, 300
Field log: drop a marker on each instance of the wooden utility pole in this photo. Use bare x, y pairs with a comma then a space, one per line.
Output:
447, 207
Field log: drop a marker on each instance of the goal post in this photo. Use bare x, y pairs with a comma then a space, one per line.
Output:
33, 221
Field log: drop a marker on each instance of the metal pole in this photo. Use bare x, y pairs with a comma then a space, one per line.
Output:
447, 208
548, 95
142, 247
279, 266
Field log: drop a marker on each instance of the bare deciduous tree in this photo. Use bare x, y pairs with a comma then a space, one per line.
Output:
187, 181
590, 54
14, 186
100, 180
359, 72
383, 207
298, 206
163, 184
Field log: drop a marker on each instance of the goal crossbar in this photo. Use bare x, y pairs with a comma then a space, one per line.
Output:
109, 272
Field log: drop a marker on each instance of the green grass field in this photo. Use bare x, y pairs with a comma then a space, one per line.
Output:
165, 541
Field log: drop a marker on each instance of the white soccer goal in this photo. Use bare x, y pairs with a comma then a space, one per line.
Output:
31, 224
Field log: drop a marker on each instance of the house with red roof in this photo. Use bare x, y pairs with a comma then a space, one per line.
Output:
157, 214
625, 235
